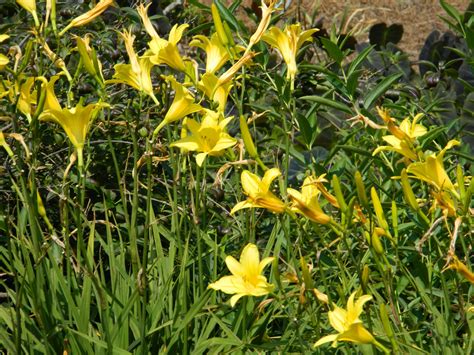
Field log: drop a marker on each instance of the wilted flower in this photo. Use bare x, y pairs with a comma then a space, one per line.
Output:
348, 324
461, 268
88, 16
5, 145
75, 121
208, 137
306, 202
267, 11
183, 104
288, 43
404, 138
258, 192
163, 51
137, 74
247, 278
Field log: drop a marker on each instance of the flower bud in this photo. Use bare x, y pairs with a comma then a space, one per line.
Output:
408, 192
385, 320
378, 209
338, 192
376, 243
306, 274
218, 25
361, 193
364, 279
247, 138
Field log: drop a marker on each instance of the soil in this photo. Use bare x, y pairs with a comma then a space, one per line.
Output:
418, 17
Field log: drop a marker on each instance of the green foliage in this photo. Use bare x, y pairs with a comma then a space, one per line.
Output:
116, 255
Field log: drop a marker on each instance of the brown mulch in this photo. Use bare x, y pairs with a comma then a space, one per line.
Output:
418, 17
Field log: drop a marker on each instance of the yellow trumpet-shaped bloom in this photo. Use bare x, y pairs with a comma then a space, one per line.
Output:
3, 58
258, 192
216, 93
347, 323
247, 278
216, 53
137, 74
88, 16
183, 104
27, 97
432, 170
288, 42
404, 136
306, 201
75, 121
217, 88
208, 137
163, 51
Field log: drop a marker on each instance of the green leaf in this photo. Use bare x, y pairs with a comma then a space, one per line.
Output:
328, 102
380, 89
227, 15
333, 50
356, 63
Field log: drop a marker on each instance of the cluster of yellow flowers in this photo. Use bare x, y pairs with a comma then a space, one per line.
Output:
247, 280
305, 202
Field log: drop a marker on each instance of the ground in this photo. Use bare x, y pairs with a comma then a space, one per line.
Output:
418, 17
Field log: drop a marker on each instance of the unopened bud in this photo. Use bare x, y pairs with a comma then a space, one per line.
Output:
408, 192
378, 209
361, 193
365, 277
218, 25
306, 274
376, 243
247, 138
338, 192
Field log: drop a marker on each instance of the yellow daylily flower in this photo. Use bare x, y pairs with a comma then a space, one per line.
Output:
216, 53
258, 192
89, 57
75, 121
288, 42
432, 170
217, 88
409, 131
30, 6
461, 268
137, 74
3, 58
208, 137
163, 51
27, 97
348, 324
306, 201
183, 104
247, 278
214, 92
88, 16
